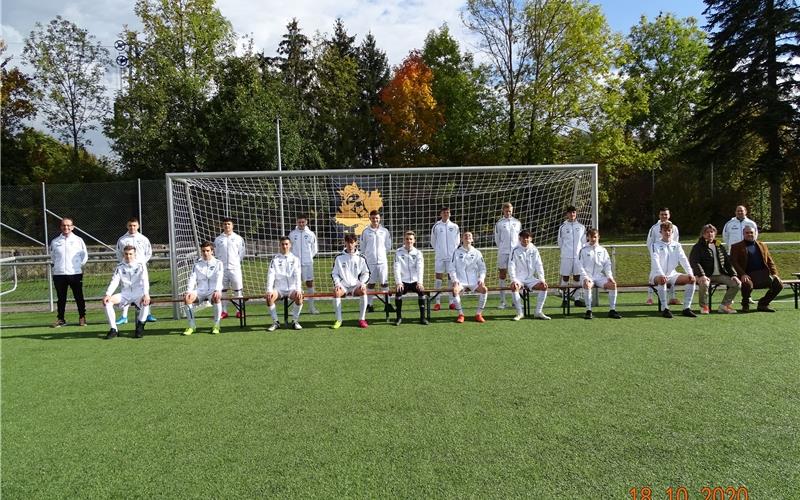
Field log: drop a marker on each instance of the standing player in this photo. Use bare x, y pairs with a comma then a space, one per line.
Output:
445, 237
653, 236
525, 270
733, 231
595, 265
506, 237
284, 280
69, 255
667, 254
205, 283
131, 273
571, 238
304, 246
375, 243
229, 248
409, 271
350, 275
143, 253
468, 273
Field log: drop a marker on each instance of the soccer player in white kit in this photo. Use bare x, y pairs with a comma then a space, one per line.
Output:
375, 242
284, 280
596, 270
350, 276
205, 283
733, 231
131, 275
468, 273
653, 236
526, 270
229, 249
305, 247
143, 253
506, 237
571, 238
409, 271
667, 254
445, 238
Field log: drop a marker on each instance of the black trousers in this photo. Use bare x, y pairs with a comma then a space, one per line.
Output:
75, 282
762, 279
409, 288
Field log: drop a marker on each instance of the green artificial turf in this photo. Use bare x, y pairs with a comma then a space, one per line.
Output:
562, 409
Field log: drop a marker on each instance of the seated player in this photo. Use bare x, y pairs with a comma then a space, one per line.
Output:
132, 275
468, 273
409, 270
205, 284
525, 270
350, 275
667, 254
756, 268
284, 280
595, 266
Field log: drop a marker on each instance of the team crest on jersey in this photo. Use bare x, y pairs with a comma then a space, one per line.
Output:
356, 204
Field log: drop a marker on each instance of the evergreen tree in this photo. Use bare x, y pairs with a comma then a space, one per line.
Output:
373, 76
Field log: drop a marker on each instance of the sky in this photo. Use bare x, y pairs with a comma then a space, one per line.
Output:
399, 26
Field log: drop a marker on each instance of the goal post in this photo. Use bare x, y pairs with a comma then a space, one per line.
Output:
339, 201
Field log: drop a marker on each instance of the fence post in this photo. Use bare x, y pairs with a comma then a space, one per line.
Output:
139, 190
47, 248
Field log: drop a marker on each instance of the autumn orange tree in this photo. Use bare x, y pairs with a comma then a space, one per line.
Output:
409, 114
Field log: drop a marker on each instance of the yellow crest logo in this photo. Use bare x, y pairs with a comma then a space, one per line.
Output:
355, 207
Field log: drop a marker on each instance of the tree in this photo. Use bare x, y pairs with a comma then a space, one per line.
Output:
294, 62
68, 77
16, 96
409, 114
754, 93
159, 123
373, 75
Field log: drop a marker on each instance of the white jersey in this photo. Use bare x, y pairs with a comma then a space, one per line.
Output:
304, 244
69, 254
445, 238
666, 257
134, 279
654, 235
467, 266
350, 269
284, 273
409, 266
375, 243
506, 234
137, 240
525, 264
571, 238
229, 249
733, 231
595, 262
206, 276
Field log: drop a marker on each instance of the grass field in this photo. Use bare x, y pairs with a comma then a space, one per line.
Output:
560, 409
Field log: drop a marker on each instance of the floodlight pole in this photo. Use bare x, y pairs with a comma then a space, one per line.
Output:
280, 169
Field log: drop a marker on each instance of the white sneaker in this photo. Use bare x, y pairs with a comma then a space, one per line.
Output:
274, 326
296, 325
502, 305
518, 317
541, 315
313, 310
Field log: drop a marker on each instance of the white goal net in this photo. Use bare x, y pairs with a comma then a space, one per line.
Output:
264, 206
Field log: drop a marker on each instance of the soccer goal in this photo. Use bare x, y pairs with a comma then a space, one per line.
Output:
264, 206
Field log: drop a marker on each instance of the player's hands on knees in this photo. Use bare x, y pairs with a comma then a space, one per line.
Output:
660, 280
146, 300
514, 286
587, 283
693, 279
703, 280
420, 286
456, 287
400, 288
338, 291
106, 299
216, 296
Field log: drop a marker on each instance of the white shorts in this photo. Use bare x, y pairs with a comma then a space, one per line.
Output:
502, 260
570, 266
440, 265
529, 283
468, 287
126, 300
204, 295
350, 290
671, 278
307, 272
232, 280
599, 281
284, 293
378, 273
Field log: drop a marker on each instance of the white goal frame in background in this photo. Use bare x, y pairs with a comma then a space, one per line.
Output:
264, 206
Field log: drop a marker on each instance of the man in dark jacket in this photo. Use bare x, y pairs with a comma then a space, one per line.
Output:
711, 264
756, 269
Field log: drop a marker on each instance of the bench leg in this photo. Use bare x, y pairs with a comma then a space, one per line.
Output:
286, 310
526, 302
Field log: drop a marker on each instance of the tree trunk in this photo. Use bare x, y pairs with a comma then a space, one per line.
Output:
776, 205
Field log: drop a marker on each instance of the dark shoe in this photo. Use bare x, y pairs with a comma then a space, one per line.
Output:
765, 309
398, 322
111, 334
82, 321
139, 333
588, 315
745, 307
58, 323
580, 303
423, 321
370, 309
666, 313
614, 314
688, 313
